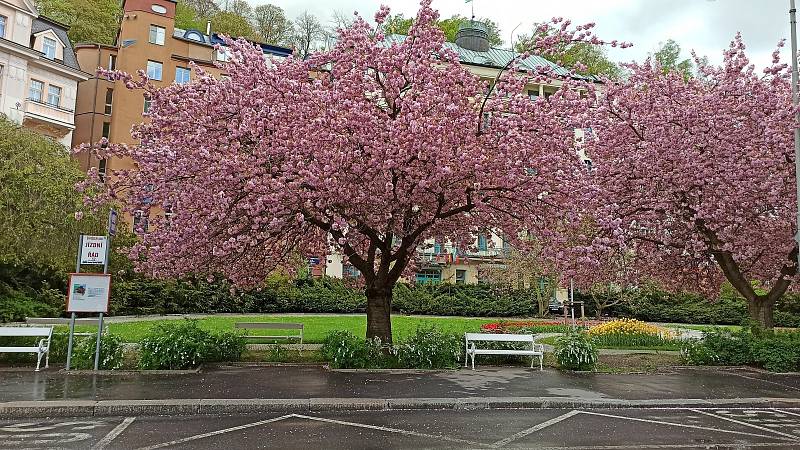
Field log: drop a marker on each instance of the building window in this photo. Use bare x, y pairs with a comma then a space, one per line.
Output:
482, 243
461, 276
101, 169
3, 20
429, 276
486, 121
36, 91
157, 35
106, 129
533, 94
147, 105
109, 101
168, 213
54, 96
139, 222
154, 70
182, 75
49, 47
112, 62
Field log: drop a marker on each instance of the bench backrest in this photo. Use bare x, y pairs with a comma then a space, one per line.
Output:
26, 331
59, 321
269, 325
498, 337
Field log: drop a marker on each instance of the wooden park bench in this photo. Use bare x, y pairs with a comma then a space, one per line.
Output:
41, 349
272, 326
471, 339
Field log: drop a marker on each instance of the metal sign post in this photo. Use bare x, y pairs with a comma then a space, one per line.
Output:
72, 318
112, 230
90, 292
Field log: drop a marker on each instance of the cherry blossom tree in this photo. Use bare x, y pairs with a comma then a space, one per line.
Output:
365, 150
695, 176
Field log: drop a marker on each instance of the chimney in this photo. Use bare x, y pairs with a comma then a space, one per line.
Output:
473, 35
208, 28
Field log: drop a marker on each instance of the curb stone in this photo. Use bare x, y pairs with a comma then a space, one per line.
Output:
190, 407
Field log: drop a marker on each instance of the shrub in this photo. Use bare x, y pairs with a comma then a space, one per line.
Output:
344, 350
429, 348
184, 345
778, 351
111, 352
576, 351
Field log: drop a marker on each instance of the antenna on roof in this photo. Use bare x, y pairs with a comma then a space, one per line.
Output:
472, 5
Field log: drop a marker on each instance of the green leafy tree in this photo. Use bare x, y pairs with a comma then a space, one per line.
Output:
188, 18
450, 27
584, 58
399, 24
231, 24
94, 21
271, 25
668, 57
38, 200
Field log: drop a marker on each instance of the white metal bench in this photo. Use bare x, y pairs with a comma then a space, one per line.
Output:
53, 321
470, 340
42, 349
272, 326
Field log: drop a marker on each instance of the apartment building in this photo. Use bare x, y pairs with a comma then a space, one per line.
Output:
147, 40
39, 73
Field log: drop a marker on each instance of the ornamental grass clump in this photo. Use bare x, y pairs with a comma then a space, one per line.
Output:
631, 333
576, 350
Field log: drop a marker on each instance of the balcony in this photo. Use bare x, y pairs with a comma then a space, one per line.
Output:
38, 110
49, 120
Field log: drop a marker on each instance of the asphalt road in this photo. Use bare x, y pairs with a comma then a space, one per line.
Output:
542, 428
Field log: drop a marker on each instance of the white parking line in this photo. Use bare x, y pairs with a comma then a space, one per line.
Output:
696, 427
103, 443
786, 412
392, 430
215, 433
666, 446
791, 436
534, 429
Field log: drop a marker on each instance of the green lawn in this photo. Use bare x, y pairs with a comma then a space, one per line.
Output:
316, 327
703, 327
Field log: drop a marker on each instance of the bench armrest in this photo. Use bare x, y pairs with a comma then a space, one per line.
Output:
44, 345
538, 347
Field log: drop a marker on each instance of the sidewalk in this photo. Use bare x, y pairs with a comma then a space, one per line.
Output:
254, 388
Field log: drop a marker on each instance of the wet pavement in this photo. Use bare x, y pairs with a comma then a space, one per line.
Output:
290, 382
543, 428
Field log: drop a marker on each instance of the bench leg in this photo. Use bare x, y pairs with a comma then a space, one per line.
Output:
541, 362
38, 361
47, 360
473, 361
533, 358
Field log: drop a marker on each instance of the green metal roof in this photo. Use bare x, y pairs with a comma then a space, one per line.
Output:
497, 58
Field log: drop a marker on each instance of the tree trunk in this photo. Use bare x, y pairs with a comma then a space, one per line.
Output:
760, 310
379, 312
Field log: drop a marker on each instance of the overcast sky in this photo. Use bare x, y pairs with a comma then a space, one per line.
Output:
706, 26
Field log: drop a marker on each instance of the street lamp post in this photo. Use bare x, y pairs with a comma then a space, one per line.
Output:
795, 99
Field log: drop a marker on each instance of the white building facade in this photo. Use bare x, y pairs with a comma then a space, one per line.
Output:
39, 73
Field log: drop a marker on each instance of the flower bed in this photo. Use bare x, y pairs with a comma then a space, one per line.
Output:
632, 333
527, 326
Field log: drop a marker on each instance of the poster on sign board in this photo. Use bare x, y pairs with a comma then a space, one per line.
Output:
93, 250
88, 292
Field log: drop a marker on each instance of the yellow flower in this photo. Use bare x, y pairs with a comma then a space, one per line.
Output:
629, 326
